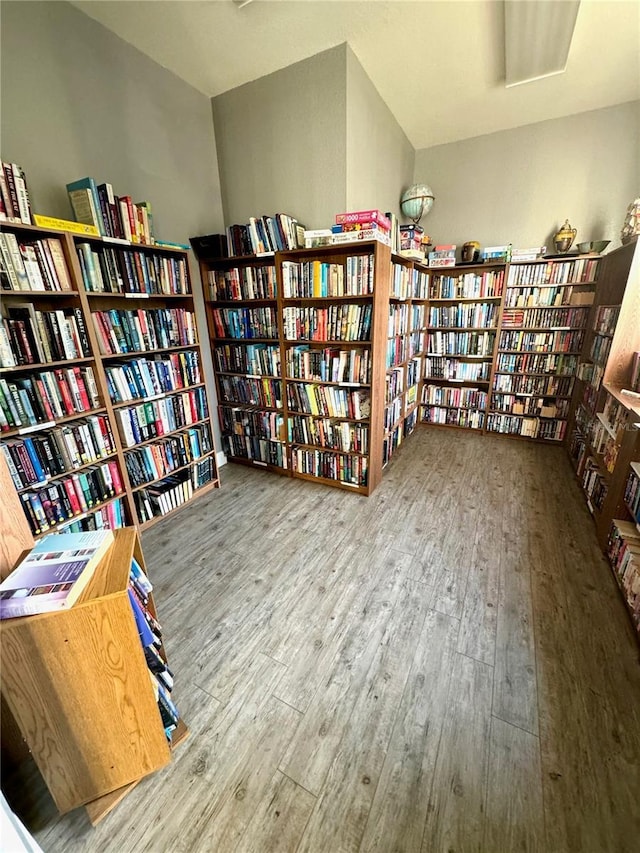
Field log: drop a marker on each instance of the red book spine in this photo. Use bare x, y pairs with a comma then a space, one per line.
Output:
73, 498
194, 408
364, 216
44, 397
79, 493
67, 399
82, 389
115, 476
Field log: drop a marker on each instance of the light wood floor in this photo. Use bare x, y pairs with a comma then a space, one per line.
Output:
445, 666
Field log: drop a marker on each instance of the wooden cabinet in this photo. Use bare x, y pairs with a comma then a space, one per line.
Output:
78, 686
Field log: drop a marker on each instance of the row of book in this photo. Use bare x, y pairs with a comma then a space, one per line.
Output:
554, 295
600, 349
317, 279
470, 285
562, 341
242, 283
409, 283
603, 443
469, 418
113, 216
142, 377
545, 318
473, 315
245, 323
417, 343
397, 351
121, 331
632, 492
34, 459
46, 396
454, 370
417, 315
623, 550
251, 391
413, 372
594, 484
398, 319
345, 322
109, 516
541, 407
254, 359
33, 264
580, 270
265, 234
157, 460
31, 337
457, 398
394, 384
156, 418
549, 430
332, 466
461, 343
542, 386
393, 413
606, 319
390, 443
150, 633
174, 491
327, 434
15, 204
352, 366
263, 451
106, 269
253, 422
557, 364
70, 496
328, 401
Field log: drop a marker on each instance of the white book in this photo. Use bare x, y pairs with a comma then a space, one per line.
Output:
32, 268
21, 193
122, 416
7, 359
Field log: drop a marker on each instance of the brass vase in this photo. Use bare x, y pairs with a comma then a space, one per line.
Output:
564, 238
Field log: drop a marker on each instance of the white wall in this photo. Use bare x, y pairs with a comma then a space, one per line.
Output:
520, 185
281, 142
76, 100
380, 158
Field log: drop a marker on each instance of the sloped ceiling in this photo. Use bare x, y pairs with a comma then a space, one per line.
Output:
438, 65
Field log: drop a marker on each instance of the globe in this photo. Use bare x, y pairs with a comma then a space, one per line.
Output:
416, 202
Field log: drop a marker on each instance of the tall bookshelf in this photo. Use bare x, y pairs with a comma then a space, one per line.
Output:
544, 319
241, 307
129, 308
465, 306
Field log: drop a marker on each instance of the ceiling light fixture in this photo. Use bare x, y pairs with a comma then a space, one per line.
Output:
538, 36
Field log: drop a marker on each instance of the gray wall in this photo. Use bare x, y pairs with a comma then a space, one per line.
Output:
380, 158
520, 185
76, 100
282, 142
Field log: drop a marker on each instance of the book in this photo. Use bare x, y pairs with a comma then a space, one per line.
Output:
358, 236
85, 203
53, 574
364, 216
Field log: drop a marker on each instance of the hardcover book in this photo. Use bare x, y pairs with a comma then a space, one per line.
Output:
53, 574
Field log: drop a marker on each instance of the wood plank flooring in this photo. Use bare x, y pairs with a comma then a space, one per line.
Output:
443, 667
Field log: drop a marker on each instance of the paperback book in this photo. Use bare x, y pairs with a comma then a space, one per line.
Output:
53, 574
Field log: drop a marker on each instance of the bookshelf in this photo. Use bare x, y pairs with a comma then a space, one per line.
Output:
544, 319
465, 307
65, 654
118, 430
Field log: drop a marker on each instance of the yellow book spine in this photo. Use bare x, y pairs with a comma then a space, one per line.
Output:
65, 225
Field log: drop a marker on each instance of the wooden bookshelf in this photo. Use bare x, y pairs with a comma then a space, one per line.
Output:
604, 425
141, 279
542, 331
91, 746
465, 306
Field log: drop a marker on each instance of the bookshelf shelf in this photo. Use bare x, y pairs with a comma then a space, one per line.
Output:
198, 492
54, 478
164, 285
173, 471
164, 435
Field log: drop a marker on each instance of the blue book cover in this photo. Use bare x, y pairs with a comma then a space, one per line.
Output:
53, 574
89, 184
35, 459
146, 637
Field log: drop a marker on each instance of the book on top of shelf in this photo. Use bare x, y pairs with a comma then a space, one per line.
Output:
359, 216
15, 204
53, 574
85, 203
360, 236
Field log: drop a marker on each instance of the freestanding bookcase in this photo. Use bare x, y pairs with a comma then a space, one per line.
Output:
77, 684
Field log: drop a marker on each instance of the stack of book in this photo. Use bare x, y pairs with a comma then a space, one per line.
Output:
443, 256
531, 254
42, 397
109, 270
624, 556
114, 216
15, 205
361, 225
496, 254
29, 337
32, 264
150, 633
264, 235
